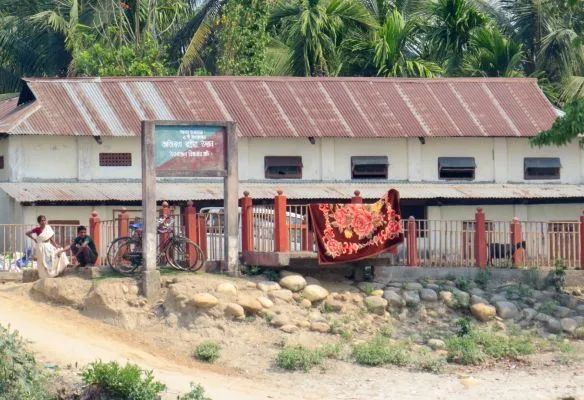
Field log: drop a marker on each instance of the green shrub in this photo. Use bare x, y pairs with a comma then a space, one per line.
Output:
380, 351
386, 331
549, 307
482, 278
208, 351
331, 350
464, 350
464, 327
295, 358
20, 375
462, 283
122, 383
197, 393
428, 363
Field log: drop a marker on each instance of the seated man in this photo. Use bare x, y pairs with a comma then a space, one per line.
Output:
83, 248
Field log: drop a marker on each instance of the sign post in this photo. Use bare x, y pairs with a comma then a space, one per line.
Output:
176, 149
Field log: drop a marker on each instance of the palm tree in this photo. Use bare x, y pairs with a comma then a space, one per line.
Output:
314, 30
493, 55
450, 28
392, 50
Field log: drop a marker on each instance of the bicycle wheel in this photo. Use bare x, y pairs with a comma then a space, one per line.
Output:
113, 249
185, 255
128, 257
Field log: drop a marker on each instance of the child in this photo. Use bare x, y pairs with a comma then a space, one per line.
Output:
83, 248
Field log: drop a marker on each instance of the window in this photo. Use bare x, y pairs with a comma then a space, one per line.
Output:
456, 168
542, 168
115, 159
367, 167
1, 162
283, 167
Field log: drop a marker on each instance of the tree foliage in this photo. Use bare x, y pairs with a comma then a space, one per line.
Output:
566, 129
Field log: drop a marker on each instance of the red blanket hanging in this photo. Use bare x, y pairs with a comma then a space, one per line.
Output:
351, 232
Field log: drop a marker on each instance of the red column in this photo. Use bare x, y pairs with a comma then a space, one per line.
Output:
480, 239
582, 241
246, 204
412, 243
281, 235
190, 217
516, 238
202, 234
123, 223
164, 212
357, 199
95, 232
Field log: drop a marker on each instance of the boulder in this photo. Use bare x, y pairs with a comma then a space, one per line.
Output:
250, 304
305, 303
562, 312
569, 325
446, 296
541, 317
321, 327
227, 288
579, 320
267, 286
412, 298
483, 312
413, 286
554, 326
203, 300
477, 292
368, 287
315, 293
234, 310
463, 298
433, 286
506, 310
394, 299
315, 316
580, 308
475, 299
377, 292
428, 295
265, 302
568, 300
498, 297
436, 344
281, 294
334, 305
376, 304
528, 314
294, 283
280, 320
289, 328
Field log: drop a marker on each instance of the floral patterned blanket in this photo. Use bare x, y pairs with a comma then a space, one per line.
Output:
351, 232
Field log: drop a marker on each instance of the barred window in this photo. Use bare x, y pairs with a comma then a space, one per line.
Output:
115, 159
283, 167
542, 168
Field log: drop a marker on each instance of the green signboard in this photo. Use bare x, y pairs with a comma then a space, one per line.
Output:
190, 150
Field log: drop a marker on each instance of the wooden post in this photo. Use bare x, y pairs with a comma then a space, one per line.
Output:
123, 223
357, 199
480, 239
246, 203
190, 217
281, 235
582, 241
95, 232
516, 239
412, 243
164, 213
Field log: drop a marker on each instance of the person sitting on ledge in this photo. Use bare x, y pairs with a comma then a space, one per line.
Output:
83, 248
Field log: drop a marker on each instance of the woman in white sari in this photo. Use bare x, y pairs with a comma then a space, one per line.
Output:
49, 264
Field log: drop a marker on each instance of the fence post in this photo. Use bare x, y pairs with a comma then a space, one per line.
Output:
516, 239
123, 223
582, 241
95, 232
480, 239
202, 234
281, 235
412, 243
164, 212
357, 199
246, 204
190, 222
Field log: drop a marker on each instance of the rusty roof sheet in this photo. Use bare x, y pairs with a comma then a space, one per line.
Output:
7, 105
213, 190
286, 106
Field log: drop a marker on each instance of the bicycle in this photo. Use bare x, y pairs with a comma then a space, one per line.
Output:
124, 254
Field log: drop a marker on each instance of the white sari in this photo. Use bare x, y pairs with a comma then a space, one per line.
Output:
48, 263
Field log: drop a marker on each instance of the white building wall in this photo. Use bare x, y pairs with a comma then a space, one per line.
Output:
89, 150
531, 212
5, 172
45, 157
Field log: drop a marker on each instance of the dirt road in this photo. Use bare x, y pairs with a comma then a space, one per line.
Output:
65, 337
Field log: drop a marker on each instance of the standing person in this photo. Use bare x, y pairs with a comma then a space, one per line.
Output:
83, 248
50, 262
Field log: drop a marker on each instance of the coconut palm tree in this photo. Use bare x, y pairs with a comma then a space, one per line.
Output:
314, 30
493, 55
391, 50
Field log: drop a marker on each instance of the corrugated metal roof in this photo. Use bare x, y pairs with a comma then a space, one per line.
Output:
288, 107
7, 105
213, 190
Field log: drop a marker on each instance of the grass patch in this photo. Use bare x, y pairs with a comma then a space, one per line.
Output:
427, 362
196, 393
549, 307
386, 331
380, 351
207, 352
482, 278
298, 358
113, 381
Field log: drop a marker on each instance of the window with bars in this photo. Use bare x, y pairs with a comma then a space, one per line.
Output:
542, 168
283, 167
369, 167
456, 168
115, 159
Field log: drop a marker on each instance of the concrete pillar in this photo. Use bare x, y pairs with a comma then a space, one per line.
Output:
327, 159
414, 160
84, 158
500, 160
16, 160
